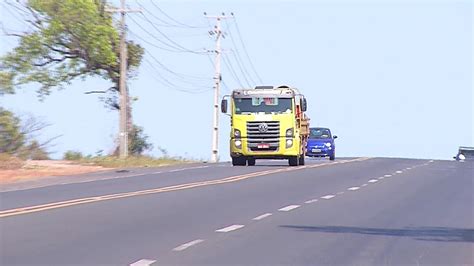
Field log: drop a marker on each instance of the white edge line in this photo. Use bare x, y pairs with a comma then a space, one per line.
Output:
263, 216
311, 201
353, 188
143, 262
373, 180
328, 197
187, 245
289, 208
387, 175
230, 228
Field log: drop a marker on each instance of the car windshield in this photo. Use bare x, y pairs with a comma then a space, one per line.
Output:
467, 152
262, 105
319, 133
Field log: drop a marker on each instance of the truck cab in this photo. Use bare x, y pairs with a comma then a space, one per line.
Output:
267, 123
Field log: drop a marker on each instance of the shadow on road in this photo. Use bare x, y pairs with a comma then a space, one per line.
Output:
443, 234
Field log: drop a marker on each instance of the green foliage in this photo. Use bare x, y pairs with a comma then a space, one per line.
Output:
138, 141
73, 156
11, 136
34, 151
71, 38
16, 137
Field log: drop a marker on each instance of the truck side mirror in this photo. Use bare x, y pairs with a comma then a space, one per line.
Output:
304, 106
224, 106
334, 137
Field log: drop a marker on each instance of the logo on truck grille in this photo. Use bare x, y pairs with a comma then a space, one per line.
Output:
263, 127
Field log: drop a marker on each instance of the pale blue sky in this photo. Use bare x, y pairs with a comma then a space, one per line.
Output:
391, 78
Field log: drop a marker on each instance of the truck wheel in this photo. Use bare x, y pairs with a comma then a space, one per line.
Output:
301, 160
293, 161
251, 161
239, 161
333, 156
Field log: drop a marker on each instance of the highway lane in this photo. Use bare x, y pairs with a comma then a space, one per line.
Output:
416, 211
89, 185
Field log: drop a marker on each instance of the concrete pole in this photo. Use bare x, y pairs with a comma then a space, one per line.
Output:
123, 87
217, 78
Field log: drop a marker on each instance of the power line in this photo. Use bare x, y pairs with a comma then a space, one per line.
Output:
169, 85
174, 20
169, 39
173, 72
176, 49
245, 50
239, 60
242, 70
232, 71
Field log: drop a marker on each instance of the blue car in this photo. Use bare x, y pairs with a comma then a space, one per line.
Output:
321, 143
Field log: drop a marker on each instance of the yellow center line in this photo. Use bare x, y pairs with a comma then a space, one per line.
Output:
73, 202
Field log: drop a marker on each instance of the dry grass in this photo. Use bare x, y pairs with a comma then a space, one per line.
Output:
132, 161
8, 162
13, 169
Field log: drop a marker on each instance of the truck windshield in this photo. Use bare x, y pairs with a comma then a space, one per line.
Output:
262, 104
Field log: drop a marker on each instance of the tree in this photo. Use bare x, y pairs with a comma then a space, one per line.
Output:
138, 141
11, 136
68, 39
19, 138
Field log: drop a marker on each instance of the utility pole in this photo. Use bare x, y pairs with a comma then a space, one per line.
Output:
123, 120
217, 79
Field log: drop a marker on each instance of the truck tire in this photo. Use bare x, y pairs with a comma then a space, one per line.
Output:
293, 161
301, 160
239, 161
251, 161
333, 156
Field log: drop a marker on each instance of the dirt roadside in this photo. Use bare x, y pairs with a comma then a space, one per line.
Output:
45, 168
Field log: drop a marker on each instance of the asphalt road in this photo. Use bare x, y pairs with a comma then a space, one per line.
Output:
354, 211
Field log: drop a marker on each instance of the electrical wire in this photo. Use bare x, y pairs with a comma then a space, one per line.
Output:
177, 45
174, 20
245, 50
237, 57
173, 48
169, 85
232, 71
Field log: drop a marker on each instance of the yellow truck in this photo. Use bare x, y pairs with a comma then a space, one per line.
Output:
267, 123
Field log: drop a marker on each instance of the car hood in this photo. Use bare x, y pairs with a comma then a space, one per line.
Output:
319, 141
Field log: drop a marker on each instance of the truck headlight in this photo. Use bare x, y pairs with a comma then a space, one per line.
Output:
236, 133
289, 143
328, 144
290, 132
238, 144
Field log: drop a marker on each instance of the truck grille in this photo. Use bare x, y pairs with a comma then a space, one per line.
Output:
263, 133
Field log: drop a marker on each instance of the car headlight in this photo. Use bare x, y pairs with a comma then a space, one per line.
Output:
236, 133
328, 144
290, 132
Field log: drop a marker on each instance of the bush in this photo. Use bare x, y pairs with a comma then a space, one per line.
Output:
73, 156
8, 162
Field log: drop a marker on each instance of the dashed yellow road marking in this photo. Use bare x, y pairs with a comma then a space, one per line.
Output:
68, 203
